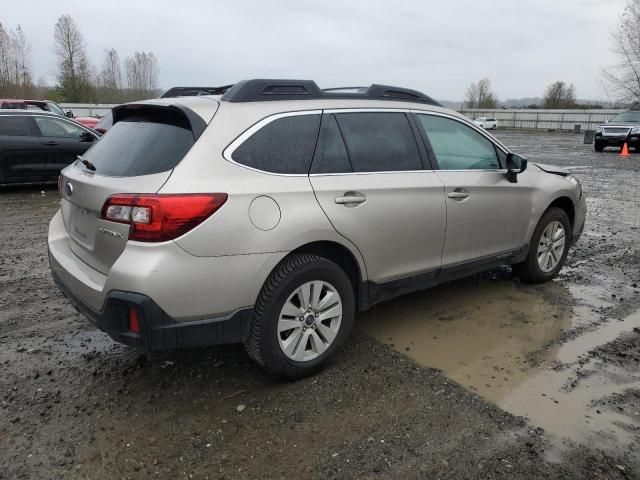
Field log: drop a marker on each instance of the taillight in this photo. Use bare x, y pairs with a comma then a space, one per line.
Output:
162, 217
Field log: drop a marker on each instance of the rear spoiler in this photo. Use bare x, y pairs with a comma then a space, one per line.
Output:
196, 123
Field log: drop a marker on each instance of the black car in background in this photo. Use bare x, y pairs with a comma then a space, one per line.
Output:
621, 129
35, 146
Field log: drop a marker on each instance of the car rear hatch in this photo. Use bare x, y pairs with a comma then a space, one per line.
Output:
137, 155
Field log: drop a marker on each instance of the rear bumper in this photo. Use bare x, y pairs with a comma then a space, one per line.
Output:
181, 300
187, 288
158, 331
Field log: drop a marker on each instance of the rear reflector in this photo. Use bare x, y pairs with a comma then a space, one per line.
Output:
158, 218
134, 323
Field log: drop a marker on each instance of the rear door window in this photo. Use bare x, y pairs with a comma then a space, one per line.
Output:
284, 145
379, 141
14, 125
143, 143
56, 127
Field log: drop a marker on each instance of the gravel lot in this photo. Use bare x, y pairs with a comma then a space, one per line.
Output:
553, 391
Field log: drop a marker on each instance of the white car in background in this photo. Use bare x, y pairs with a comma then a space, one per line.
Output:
487, 123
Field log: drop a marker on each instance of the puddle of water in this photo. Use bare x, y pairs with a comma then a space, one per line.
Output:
545, 399
481, 334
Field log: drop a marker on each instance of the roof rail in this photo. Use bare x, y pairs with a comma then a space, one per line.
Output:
258, 90
194, 91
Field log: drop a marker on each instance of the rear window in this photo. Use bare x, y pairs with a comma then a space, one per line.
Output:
14, 125
143, 143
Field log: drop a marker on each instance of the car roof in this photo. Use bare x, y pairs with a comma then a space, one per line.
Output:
269, 89
253, 100
17, 111
206, 105
281, 95
22, 100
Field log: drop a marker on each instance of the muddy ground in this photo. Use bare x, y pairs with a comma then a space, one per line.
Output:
480, 378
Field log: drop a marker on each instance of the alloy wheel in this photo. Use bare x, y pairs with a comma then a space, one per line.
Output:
309, 321
551, 246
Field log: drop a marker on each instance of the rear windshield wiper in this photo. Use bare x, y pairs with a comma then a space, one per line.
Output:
87, 163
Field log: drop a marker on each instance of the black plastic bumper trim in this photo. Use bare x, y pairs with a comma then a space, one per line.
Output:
158, 330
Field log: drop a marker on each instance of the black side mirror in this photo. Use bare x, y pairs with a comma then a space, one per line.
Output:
515, 166
69, 114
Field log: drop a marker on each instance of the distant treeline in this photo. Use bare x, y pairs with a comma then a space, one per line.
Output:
78, 80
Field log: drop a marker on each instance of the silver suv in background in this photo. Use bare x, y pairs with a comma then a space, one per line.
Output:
268, 215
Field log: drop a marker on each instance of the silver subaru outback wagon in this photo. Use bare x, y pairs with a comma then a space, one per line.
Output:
268, 215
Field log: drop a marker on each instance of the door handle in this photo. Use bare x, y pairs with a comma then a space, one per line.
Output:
349, 198
50, 143
458, 194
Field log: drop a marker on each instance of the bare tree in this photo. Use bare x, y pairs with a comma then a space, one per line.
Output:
142, 75
625, 76
109, 81
21, 54
471, 97
74, 75
559, 95
111, 75
5, 59
15, 66
479, 95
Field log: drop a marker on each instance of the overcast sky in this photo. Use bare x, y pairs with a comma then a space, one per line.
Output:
438, 47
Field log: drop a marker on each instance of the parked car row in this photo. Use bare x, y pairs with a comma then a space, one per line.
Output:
34, 149
46, 106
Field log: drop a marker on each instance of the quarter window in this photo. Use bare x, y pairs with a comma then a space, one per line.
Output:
53, 127
284, 145
379, 141
14, 125
457, 146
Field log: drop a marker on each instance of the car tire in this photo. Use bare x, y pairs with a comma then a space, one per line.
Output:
598, 146
494, 127
545, 257
282, 294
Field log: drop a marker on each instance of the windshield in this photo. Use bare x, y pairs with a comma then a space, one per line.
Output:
142, 144
627, 117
